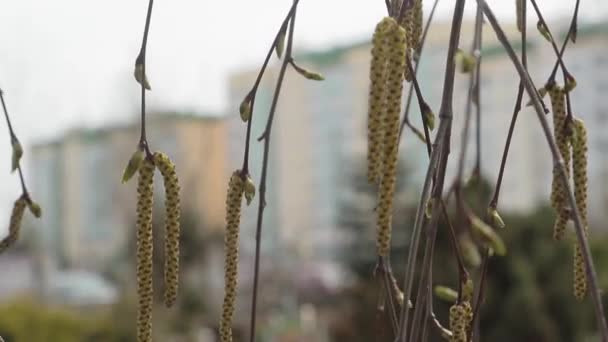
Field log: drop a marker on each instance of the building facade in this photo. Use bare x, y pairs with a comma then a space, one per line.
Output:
90, 216
319, 134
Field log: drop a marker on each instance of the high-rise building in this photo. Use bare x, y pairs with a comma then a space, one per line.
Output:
319, 133
89, 216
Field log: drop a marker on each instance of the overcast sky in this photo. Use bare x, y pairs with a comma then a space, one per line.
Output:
69, 63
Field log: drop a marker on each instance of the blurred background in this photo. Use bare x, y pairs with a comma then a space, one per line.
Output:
66, 68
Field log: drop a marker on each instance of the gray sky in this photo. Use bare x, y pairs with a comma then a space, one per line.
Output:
69, 63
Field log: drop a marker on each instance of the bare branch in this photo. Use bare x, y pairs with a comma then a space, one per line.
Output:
559, 166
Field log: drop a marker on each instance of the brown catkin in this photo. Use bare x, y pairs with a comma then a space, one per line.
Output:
391, 138
14, 225
579, 173
145, 195
231, 241
458, 324
558, 191
377, 98
172, 225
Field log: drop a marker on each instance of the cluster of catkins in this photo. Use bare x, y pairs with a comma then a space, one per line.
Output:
571, 139
240, 185
392, 44
461, 312
145, 166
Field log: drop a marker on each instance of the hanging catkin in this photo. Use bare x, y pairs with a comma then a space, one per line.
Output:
396, 65
416, 31
580, 276
144, 251
172, 225
458, 324
558, 191
579, 168
236, 188
412, 23
579, 171
14, 226
377, 98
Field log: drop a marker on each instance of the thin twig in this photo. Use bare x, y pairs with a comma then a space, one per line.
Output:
442, 139
494, 201
479, 298
560, 61
571, 31
558, 163
266, 137
552, 40
473, 77
518, 102
388, 288
141, 60
408, 102
252, 93
14, 140
422, 105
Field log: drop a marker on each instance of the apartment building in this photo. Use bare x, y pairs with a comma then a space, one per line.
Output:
90, 216
319, 135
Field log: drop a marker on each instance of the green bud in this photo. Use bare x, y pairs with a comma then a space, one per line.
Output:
446, 294
429, 118
17, 154
280, 45
467, 290
140, 76
134, 163
35, 209
428, 210
245, 109
465, 61
470, 252
312, 75
249, 190
570, 83
495, 217
306, 73
544, 31
488, 234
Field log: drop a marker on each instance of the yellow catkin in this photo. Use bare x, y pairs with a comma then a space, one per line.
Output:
377, 98
391, 138
580, 276
416, 31
558, 191
579, 168
233, 218
458, 324
412, 23
145, 293
14, 225
579, 173
172, 225
468, 317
